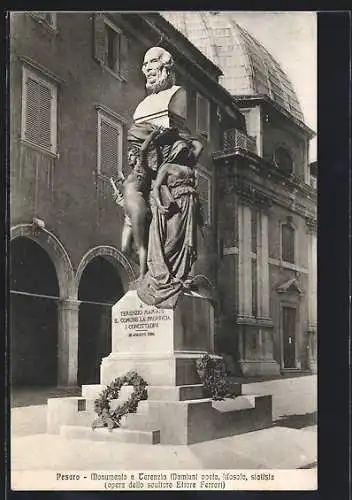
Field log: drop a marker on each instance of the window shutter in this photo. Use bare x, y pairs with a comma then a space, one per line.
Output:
100, 47
124, 61
38, 113
110, 149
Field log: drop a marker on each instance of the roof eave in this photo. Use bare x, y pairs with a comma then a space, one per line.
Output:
280, 109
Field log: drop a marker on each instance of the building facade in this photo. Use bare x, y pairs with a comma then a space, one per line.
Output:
75, 82
266, 206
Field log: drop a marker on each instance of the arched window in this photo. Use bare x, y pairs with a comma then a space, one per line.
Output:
283, 160
288, 243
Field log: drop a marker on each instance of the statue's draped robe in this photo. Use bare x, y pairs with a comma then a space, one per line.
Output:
172, 246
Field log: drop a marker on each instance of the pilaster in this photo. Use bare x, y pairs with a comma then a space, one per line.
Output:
263, 267
245, 263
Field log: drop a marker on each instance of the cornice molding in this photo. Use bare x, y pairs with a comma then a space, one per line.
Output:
311, 224
229, 180
247, 193
267, 169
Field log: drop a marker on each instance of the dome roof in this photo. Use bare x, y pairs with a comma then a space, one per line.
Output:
248, 68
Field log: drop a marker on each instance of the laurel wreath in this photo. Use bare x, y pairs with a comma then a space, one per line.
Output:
214, 377
112, 418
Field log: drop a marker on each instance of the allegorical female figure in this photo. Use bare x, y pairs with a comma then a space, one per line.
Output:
160, 188
145, 143
172, 247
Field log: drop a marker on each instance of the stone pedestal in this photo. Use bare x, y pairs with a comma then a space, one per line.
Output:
162, 345
256, 348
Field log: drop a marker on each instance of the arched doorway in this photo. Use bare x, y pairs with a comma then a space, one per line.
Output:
100, 287
33, 315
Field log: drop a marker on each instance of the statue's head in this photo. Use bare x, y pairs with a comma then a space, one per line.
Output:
158, 69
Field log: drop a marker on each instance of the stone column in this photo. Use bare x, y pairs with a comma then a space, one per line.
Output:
245, 261
67, 342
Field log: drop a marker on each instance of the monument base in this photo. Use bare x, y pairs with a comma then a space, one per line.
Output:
162, 346
174, 369
170, 415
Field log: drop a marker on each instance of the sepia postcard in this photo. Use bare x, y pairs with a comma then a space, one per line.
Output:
163, 250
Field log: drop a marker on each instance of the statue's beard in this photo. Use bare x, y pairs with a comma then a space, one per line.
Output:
165, 80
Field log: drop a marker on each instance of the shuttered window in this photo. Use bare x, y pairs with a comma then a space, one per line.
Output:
204, 191
39, 107
113, 49
110, 46
202, 110
110, 144
288, 243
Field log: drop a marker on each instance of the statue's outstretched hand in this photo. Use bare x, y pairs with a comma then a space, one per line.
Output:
117, 196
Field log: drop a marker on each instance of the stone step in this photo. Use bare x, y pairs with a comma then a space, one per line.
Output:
151, 406
232, 417
157, 392
140, 421
192, 421
235, 404
83, 418
92, 391
118, 434
177, 393
145, 418
62, 411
